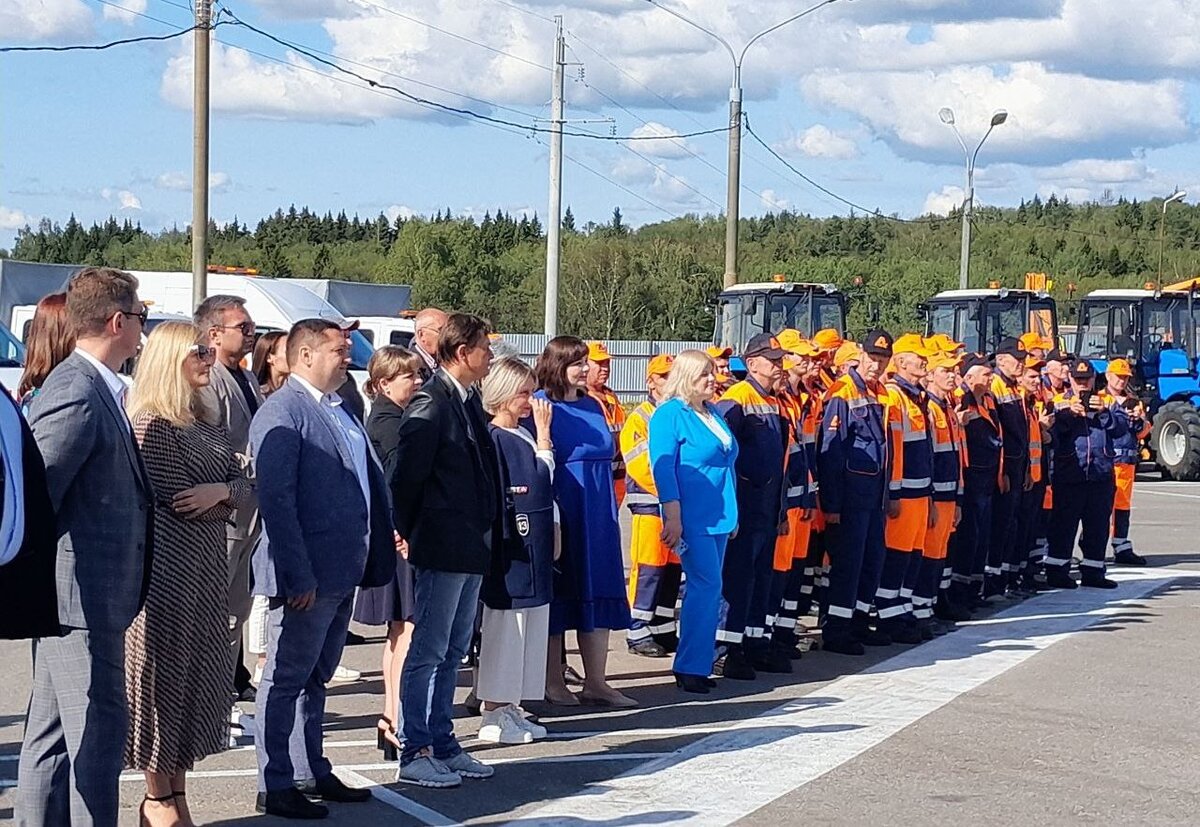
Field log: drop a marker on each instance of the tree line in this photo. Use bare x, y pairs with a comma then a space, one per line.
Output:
657, 281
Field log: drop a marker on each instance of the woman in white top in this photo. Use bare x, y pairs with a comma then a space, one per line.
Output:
516, 592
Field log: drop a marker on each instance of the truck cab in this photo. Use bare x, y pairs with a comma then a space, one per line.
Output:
745, 310
981, 319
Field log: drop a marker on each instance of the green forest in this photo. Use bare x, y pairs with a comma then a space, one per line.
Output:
656, 281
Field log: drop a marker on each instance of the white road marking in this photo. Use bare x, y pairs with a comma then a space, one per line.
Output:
397, 801
1143, 489
720, 779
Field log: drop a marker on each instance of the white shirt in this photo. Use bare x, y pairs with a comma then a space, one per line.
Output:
12, 519
719, 429
348, 430
458, 386
115, 386
544, 454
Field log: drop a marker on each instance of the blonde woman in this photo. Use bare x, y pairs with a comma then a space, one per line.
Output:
176, 653
692, 454
393, 376
516, 592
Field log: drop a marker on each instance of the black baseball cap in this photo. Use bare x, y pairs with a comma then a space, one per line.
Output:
975, 360
1083, 369
1012, 347
765, 345
1057, 355
877, 343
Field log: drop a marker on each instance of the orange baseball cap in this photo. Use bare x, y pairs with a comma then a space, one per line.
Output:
1034, 363
660, 365
598, 352
846, 353
791, 341
1119, 367
827, 339
715, 352
943, 359
942, 343
1032, 340
911, 343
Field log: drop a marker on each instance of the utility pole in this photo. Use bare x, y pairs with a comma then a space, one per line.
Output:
554, 216
734, 178
203, 34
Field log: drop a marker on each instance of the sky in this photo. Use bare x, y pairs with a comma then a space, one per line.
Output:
1102, 96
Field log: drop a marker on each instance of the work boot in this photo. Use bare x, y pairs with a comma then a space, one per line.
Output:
900, 631
950, 612
1128, 557
772, 661
735, 665
1059, 579
928, 629
1097, 581
669, 643
867, 636
647, 648
843, 644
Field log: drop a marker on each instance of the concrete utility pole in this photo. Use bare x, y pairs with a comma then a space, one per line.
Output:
734, 179
554, 213
200, 153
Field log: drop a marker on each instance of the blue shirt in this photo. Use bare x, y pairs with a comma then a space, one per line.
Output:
693, 467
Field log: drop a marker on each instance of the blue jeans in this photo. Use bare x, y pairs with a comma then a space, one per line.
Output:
698, 618
442, 629
303, 650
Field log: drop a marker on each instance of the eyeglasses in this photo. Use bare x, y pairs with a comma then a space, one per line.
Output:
142, 315
247, 328
204, 353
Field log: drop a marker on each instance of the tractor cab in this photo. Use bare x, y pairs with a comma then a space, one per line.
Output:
981, 319
746, 310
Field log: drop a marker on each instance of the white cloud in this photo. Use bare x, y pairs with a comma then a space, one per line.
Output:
395, 211
772, 201
1097, 171
819, 141
11, 219
182, 181
39, 20
660, 184
127, 12
673, 148
124, 199
944, 201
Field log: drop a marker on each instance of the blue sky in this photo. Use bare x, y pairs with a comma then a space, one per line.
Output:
1103, 99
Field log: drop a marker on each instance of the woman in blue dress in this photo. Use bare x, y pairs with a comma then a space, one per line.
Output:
589, 582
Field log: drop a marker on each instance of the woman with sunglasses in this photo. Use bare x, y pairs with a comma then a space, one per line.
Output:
176, 652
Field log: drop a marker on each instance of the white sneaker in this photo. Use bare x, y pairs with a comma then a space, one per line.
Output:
518, 715
344, 674
499, 727
258, 673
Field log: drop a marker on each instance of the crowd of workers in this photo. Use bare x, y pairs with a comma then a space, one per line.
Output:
888, 487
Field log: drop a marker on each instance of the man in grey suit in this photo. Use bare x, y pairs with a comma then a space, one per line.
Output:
234, 395
327, 514
75, 732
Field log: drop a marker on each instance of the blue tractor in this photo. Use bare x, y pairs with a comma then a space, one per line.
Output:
1156, 331
745, 310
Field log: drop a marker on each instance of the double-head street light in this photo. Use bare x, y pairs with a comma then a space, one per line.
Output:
733, 184
1178, 195
947, 116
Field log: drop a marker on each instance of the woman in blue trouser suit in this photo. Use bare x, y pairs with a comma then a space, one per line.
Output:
692, 453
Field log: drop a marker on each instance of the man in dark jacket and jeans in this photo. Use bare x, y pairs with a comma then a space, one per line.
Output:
446, 489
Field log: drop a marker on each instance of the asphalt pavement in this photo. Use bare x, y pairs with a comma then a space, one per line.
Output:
1071, 707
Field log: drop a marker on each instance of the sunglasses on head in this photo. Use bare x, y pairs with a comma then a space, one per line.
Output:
204, 353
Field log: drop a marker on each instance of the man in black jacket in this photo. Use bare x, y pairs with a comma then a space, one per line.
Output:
28, 541
445, 485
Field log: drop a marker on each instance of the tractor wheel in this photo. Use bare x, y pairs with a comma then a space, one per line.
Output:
1176, 441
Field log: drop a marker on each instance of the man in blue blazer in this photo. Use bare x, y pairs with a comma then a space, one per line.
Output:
327, 516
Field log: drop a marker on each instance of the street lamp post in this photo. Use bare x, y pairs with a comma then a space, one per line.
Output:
947, 117
1178, 195
733, 182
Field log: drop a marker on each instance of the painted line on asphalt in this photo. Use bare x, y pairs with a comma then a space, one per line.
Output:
720, 779
1158, 493
396, 801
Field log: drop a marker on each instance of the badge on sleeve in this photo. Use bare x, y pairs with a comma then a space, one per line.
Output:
523, 525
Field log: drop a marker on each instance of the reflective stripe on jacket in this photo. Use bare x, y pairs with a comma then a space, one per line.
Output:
912, 446
641, 494
761, 434
853, 456
948, 451
1084, 445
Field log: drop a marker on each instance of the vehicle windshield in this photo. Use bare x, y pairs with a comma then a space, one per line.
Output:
981, 324
1165, 323
360, 351
12, 352
742, 316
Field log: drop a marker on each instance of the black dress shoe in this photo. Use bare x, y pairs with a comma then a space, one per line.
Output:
331, 788
1099, 582
289, 804
248, 695
693, 683
354, 639
648, 649
735, 666
1060, 580
1129, 557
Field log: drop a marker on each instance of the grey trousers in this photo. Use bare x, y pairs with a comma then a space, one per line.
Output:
303, 649
75, 732
238, 554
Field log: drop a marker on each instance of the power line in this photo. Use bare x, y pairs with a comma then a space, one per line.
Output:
453, 109
455, 35
619, 186
143, 15
99, 47
524, 10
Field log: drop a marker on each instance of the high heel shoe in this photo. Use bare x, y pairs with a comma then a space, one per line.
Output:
162, 799
692, 683
386, 740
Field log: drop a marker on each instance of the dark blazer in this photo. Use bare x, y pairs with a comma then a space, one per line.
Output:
383, 427
28, 594
312, 506
102, 498
446, 482
522, 573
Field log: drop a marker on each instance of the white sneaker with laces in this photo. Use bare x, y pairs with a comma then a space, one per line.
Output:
344, 674
499, 727
518, 715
